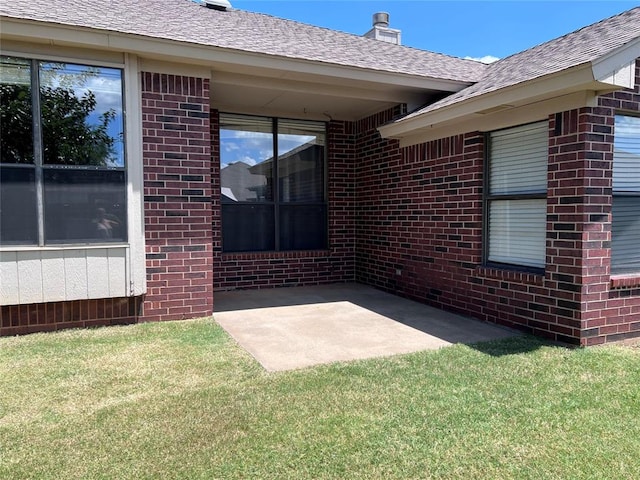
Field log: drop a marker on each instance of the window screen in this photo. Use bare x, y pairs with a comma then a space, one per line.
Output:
62, 163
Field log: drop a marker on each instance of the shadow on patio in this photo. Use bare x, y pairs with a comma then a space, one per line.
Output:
290, 328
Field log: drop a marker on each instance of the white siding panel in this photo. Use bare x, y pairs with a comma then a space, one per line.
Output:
9, 278
66, 274
98, 273
53, 276
30, 277
75, 270
118, 273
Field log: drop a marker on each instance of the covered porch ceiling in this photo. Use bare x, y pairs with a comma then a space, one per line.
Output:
315, 97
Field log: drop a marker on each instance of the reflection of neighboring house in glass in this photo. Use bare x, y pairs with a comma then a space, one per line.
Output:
242, 184
299, 172
299, 177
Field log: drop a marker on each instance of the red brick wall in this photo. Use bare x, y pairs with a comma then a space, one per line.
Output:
275, 269
419, 229
420, 234
177, 197
420, 217
46, 317
611, 304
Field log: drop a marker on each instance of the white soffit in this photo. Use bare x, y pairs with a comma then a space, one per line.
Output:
568, 81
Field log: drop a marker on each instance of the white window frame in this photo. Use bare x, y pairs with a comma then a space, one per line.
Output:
38, 274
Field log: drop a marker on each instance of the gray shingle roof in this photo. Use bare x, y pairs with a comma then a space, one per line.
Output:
576, 48
187, 21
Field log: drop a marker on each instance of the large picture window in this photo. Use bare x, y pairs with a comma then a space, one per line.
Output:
62, 162
272, 174
625, 224
516, 206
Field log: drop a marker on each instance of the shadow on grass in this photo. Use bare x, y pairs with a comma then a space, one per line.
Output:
515, 345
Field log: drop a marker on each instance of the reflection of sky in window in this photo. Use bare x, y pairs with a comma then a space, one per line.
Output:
255, 147
627, 136
105, 84
243, 146
626, 165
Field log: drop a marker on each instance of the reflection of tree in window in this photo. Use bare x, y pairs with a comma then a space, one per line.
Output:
78, 167
69, 136
75, 127
15, 111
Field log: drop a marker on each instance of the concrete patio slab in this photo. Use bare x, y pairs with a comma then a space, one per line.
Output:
292, 328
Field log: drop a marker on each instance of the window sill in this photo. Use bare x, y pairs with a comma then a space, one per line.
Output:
54, 248
631, 280
274, 254
509, 275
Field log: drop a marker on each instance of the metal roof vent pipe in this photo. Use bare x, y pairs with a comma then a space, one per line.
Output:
222, 5
381, 19
381, 30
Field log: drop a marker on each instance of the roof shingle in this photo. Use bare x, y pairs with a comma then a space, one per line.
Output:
187, 21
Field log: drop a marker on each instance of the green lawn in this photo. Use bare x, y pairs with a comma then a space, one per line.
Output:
181, 400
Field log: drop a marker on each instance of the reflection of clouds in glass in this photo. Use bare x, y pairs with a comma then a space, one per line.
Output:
626, 137
15, 72
108, 93
245, 146
231, 146
104, 83
248, 160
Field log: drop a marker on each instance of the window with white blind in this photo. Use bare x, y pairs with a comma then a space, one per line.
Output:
516, 199
625, 227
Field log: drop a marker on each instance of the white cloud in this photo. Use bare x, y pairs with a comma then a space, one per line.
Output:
231, 146
485, 59
248, 160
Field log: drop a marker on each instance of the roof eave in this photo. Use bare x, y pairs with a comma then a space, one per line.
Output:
618, 66
524, 102
184, 52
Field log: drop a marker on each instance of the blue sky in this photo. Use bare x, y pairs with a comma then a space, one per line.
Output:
464, 29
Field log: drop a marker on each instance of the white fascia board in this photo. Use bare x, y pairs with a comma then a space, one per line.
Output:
618, 67
183, 52
535, 111
554, 85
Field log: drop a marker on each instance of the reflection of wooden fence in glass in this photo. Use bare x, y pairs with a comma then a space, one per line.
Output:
62, 177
